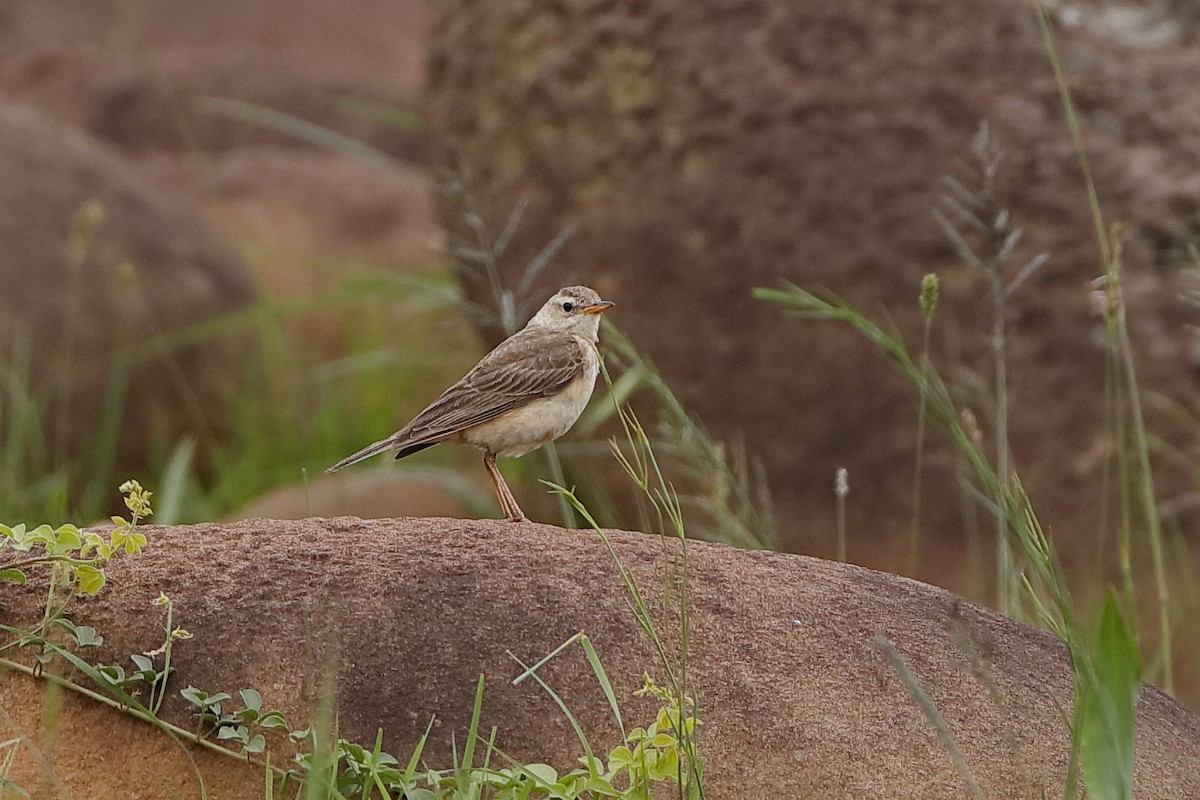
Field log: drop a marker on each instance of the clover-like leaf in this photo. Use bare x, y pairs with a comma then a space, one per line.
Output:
237, 732
91, 540
272, 720
543, 773
620, 758
112, 671
134, 543
208, 703
195, 696
665, 767
251, 699
42, 534
599, 786
86, 636
19, 537
67, 539
95, 543
354, 752
663, 740
91, 579
14, 575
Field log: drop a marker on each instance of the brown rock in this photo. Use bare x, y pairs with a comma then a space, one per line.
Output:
140, 78
703, 149
90, 319
209, 100
794, 698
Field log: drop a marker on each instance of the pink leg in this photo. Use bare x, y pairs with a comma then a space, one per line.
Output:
508, 504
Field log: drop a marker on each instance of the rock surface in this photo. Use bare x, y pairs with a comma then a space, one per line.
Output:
795, 699
700, 149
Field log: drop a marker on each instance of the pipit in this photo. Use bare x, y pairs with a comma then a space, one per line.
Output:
525, 393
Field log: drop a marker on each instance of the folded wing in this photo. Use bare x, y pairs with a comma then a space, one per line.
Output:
535, 364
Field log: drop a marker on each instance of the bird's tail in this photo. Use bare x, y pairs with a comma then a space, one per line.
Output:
368, 451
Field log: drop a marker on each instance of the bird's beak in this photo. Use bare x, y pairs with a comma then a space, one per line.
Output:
598, 308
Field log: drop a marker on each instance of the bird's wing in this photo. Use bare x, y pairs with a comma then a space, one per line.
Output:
527, 366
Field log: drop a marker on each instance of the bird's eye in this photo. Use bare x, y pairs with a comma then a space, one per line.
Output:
568, 306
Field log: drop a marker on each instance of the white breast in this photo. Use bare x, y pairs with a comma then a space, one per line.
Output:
527, 428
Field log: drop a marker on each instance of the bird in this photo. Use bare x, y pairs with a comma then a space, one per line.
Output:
526, 392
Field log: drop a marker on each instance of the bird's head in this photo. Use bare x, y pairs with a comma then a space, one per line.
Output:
576, 309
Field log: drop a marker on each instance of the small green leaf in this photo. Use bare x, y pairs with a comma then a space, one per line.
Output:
86, 636
12, 575
355, 752
251, 699
43, 534
112, 671
544, 773
91, 579
663, 740
272, 719
197, 697
237, 732
665, 767
66, 540
257, 744
102, 549
620, 758
600, 786
17, 535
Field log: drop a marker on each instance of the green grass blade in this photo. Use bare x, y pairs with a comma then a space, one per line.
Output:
301, 129
587, 748
931, 713
1108, 699
594, 659
410, 769
173, 488
517, 681
469, 748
